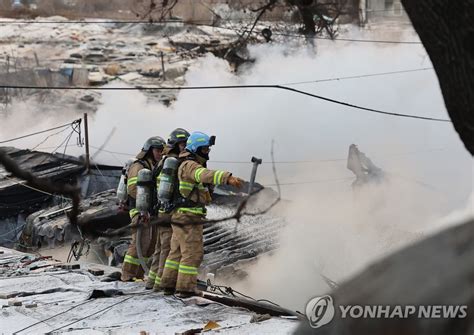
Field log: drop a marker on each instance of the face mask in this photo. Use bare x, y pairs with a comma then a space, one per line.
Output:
203, 155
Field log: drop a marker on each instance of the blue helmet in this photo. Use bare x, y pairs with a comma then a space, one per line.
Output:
198, 140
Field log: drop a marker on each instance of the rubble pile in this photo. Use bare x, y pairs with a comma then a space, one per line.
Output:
86, 298
94, 54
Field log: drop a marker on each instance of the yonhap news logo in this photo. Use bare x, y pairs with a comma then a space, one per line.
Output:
321, 310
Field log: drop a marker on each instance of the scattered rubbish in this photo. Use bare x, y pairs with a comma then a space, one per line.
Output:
96, 272
363, 168
87, 98
105, 293
114, 276
191, 332
69, 294
211, 325
70, 266
8, 295
14, 303
260, 318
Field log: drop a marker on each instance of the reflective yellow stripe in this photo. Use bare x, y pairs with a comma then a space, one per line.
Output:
195, 210
172, 267
152, 275
131, 260
218, 177
157, 280
132, 181
198, 173
187, 267
171, 264
221, 175
189, 270
133, 212
185, 186
184, 183
181, 136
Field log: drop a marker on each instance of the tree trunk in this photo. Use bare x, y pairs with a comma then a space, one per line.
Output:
308, 19
446, 28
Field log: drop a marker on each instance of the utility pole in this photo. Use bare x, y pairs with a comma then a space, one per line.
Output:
86, 133
163, 66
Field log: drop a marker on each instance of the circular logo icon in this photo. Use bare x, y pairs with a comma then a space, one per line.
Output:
320, 311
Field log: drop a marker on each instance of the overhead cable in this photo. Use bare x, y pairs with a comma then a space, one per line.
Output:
203, 23
348, 39
356, 77
182, 88
42, 131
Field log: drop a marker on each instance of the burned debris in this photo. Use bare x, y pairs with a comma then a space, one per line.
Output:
365, 171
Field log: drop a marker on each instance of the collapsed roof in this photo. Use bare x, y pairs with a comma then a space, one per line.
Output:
18, 199
226, 244
15, 196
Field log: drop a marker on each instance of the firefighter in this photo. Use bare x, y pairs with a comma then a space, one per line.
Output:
176, 144
150, 154
187, 251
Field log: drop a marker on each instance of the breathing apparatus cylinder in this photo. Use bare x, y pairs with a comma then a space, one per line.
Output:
167, 182
144, 190
122, 193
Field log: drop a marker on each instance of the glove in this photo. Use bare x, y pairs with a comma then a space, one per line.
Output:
234, 181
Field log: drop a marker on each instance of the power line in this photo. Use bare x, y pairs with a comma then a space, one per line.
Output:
310, 182
48, 137
202, 23
182, 88
348, 39
51, 317
283, 162
89, 315
195, 22
357, 76
392, 155
294, 161
30, 187
53, 147
113, 152
41, 132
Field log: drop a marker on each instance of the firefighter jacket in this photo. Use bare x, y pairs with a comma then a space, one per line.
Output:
193, 179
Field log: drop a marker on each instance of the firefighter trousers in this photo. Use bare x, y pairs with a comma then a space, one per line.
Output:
162, 249
185, 257
131, 267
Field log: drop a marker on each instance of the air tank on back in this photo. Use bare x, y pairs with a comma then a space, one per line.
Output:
144, 190
122, 194
167, 182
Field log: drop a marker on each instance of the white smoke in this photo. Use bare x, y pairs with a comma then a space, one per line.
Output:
329, 231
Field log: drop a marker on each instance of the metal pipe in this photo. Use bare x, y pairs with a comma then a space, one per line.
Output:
86, 132
256, 162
